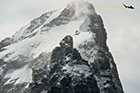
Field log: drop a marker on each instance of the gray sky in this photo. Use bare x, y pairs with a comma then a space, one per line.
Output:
122, 25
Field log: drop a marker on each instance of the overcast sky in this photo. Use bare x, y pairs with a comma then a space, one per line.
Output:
122, 25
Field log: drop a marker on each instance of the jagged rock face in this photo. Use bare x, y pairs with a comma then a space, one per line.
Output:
73, 80
69, 73
5, 42
60, 52
100, 32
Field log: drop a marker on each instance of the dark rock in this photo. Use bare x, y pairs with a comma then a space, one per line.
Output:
68, 83
76, 55
37, 88
7, 41
65, 81
67, 42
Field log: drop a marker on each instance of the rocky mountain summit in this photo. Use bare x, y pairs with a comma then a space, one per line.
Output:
62, 51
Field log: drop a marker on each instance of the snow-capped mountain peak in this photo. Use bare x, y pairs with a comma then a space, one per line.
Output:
60, 50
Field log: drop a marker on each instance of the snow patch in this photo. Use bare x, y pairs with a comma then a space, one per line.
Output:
19, 33
52, 38
21, 75
77, 70
54, 15
44, 91
47, 41
85, 26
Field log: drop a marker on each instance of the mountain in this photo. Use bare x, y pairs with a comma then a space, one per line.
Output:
62, 51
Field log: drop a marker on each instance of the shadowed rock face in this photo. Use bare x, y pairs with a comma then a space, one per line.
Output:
69, 73
5, 42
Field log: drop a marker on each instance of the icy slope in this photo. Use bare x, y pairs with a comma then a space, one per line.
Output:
22, 75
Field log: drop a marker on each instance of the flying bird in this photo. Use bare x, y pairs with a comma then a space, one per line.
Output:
128, 6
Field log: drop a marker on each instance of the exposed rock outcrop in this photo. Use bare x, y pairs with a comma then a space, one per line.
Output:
69, 73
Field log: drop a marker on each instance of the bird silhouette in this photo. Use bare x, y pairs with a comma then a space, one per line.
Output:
129, 7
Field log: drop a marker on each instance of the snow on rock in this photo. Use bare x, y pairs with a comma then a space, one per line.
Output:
1, 70
46, 41
21, 75
77, 70
55, 14
85, 25
19, 33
